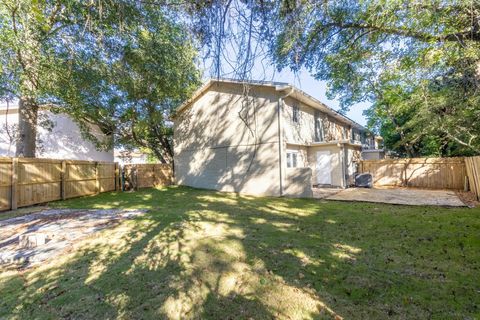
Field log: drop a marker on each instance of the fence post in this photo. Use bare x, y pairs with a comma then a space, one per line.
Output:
13, 189
97, 181
116, 177
154, 178
122, 182
135, 172
63, 178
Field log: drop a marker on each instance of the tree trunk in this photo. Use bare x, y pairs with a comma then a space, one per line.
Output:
27, 127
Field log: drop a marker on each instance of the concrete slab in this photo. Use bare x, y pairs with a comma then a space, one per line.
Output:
405, 196
322, 193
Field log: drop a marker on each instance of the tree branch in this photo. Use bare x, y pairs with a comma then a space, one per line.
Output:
471, 34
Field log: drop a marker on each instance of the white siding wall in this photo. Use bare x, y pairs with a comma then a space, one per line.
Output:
63, 142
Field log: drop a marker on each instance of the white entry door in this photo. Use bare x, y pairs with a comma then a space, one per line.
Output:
324, 167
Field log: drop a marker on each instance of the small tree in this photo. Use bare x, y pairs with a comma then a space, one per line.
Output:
134, 95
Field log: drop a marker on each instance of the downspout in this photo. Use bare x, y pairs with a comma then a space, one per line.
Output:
344, 165
280, 137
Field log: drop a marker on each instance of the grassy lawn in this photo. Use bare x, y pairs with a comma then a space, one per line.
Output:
208, 255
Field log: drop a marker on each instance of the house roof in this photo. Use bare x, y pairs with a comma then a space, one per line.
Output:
13, 107
126, 153
279, 86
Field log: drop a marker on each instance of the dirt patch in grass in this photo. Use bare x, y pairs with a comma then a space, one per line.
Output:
21, 212
202, 254
33, 238
468, 198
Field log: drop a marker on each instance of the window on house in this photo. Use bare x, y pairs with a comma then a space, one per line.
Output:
318, 127
356, 135
363, 137
292, 159
296, 114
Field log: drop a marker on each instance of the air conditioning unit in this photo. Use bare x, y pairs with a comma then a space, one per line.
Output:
364, 180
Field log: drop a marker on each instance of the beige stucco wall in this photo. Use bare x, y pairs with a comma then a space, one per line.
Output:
336, 163
303, 131
298, 182
228, 141
302, 151
351, 162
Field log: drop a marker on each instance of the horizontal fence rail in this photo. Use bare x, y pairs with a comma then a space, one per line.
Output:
148, 175
473, 172
29, 181
430, 173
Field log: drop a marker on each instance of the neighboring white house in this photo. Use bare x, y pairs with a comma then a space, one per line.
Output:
63, 141
130, 157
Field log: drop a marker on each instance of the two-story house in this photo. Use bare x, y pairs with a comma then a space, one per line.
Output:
264, 138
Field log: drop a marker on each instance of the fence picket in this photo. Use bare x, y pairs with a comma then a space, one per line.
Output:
432, 173
473, 173
148, 175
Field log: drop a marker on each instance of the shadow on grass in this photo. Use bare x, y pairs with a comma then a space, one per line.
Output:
202, 254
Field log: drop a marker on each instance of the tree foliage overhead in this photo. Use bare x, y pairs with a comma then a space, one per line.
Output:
132, 93
124, 65
121, 65
417, 62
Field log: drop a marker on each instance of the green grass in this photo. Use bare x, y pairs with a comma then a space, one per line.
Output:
209, 255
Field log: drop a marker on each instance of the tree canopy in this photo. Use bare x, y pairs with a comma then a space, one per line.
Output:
132, 93
125, 65
416, 62
121, 65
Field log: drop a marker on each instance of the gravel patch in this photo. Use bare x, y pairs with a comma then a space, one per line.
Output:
34, 238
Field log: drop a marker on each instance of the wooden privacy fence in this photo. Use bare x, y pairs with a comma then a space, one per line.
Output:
473, 172
431, 173
28, 181
148, 175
